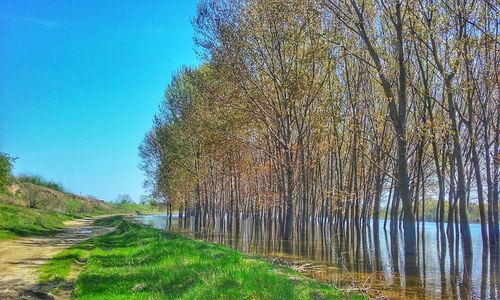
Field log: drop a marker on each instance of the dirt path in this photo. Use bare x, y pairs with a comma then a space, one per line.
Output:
21, 258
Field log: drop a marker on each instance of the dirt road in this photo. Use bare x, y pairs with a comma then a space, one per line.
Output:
21, 258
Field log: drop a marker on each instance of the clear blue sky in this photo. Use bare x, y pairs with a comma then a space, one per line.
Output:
80, 82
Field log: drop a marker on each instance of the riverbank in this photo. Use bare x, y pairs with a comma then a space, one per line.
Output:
140, 262
17, 221
29, 209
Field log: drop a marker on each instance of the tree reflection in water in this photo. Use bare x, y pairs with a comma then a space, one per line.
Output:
373, 262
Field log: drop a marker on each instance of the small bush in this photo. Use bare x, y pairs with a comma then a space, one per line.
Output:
33, 197
39, 180
74, 206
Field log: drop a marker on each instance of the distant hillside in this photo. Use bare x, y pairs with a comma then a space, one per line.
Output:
25, 193
31, 209
32, 195
33, 205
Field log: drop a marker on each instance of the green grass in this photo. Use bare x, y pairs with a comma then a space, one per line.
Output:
21, 221
39, 180
60, 266
18, 221
171, 266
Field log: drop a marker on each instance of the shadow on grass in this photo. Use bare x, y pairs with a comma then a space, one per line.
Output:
23, 232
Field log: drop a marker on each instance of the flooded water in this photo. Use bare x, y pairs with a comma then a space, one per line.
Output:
364, 262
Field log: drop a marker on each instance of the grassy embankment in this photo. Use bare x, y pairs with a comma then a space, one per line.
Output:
144, 263
21, 221
41, 207
18, 221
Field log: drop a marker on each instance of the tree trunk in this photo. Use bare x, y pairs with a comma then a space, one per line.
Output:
458, 160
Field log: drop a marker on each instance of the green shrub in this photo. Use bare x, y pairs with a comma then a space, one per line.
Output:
74, 206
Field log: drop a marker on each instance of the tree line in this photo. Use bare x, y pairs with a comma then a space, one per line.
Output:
331, 112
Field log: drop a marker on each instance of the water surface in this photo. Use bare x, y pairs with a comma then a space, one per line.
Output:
361, 261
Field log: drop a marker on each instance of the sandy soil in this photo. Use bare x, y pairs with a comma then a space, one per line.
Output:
21, 258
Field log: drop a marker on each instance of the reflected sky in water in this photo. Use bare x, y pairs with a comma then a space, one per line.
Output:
357, 260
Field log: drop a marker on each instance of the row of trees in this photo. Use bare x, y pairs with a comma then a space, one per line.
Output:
323, 111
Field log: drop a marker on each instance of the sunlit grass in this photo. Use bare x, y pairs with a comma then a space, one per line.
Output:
144, 263
41, 181
21, 221
18, 221
60, 266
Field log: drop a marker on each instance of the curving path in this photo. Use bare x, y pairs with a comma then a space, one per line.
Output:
21, 258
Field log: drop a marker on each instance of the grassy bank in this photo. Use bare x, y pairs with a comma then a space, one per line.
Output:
144, 263
30, 195
18, 221
27, 208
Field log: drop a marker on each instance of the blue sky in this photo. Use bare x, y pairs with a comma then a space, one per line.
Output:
80, 82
